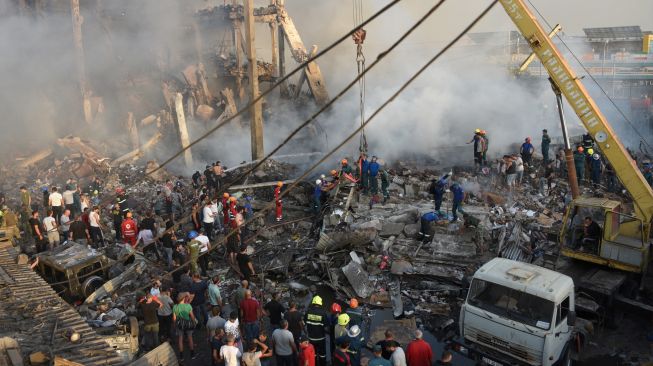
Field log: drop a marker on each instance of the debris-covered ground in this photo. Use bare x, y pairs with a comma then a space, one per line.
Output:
351, 249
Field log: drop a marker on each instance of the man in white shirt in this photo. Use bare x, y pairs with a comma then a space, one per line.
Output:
69, 198
55, 201
398, 357
205, 245
519, 167
208, 220
229, 353
94, 226
52, 229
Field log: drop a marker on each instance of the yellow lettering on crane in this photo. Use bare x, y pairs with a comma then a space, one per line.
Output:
513, 9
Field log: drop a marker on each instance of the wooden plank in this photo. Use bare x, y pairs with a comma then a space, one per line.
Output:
183, 129
312, 72
60, 361
259, 185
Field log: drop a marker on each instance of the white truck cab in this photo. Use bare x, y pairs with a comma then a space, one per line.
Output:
518, 314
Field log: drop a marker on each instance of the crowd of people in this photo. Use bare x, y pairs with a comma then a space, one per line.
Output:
592, 169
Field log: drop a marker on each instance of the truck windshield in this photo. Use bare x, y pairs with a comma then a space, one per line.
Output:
512, 304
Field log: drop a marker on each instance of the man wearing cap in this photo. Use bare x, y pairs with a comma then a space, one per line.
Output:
356, 343
341, 328
354, 312
478, 148
546, 141
418, 352
596, 168
378, 360
316, 322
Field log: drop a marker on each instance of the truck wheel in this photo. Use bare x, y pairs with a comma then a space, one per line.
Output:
91, 284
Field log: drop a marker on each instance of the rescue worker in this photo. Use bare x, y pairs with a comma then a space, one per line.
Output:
458, 198
486, 145
385, 183
596, 167
277, 201
316, 322
579, 163
225, 210
437, 188
425, 231
363, 167
129, 230
354, 312
546, 141
341, 328
527, 150
117, 220
317, 197
336, 311
478, 148
335, 180
346, 171
373, 172
122, 199
356, 343
588, 141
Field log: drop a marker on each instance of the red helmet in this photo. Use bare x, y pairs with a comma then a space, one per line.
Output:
335, 308
119, 190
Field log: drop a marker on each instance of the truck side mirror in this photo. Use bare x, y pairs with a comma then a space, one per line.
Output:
571, 318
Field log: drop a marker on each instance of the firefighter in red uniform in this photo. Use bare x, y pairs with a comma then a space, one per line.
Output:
225, 210
277, 200
129, 230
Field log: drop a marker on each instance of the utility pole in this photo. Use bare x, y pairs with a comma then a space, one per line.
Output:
255, 110
81, 63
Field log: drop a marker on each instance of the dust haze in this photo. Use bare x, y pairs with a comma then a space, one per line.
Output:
149, 42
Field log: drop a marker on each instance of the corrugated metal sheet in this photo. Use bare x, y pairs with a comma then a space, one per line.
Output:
32, 313
164, 355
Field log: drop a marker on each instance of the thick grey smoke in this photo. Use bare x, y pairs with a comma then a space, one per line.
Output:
460, 92
132, 46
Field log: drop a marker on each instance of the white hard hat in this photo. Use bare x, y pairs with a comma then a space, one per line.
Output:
596, 156
322, 176
318, 182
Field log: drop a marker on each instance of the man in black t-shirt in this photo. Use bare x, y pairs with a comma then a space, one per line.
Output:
149, 223
79, 231
274, 310
168, 243
198, 288
38, 232
245, 263
386, 343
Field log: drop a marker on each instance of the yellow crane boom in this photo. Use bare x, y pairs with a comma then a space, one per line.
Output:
585, 108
